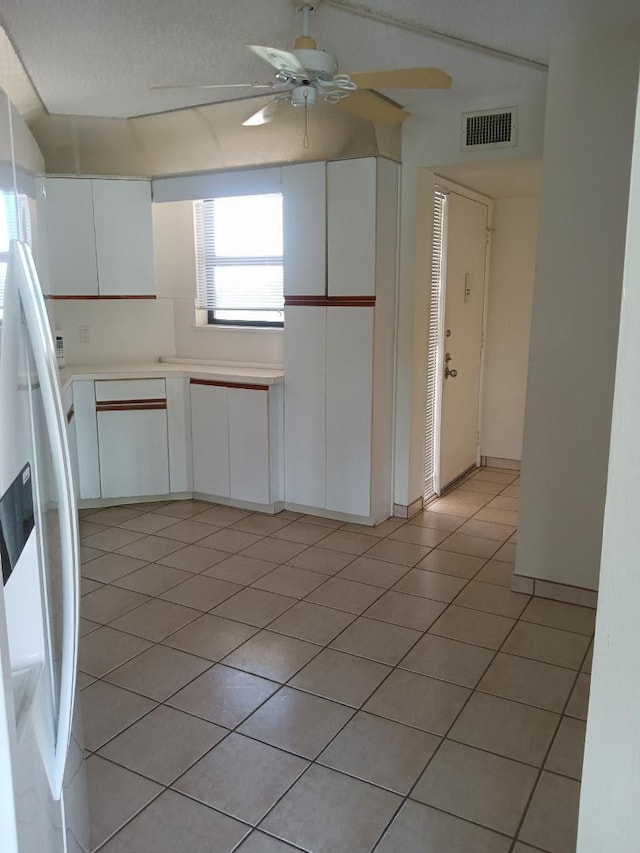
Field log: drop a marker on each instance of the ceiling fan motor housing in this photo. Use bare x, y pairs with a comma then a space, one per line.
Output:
320, 63
304, 96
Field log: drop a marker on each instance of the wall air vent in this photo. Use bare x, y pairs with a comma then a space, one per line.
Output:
489, 128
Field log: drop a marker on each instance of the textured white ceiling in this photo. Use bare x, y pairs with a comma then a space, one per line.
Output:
98, 57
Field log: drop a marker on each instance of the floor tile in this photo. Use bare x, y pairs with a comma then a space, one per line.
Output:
529, 681
221, 516
201, 592
114, 515
380, 641
555, 614
437, 521
401, 553
87, 554
462, 504
450, 563
418, 701
552, 819
150, 548
498, 516
400, 754
149, 522
272, 656
486, 530
156, 619
492, 599
184, 509
567, 753
482, 486
109, 567
379, 530
87, 528
374, 572
260, 524
210, 637
493, 475
259, 842
321, 560
152, 579
430, 585
254, 606
448, 660
242, 777
302, 532
345, 595
296, 721
107, 649
341, 677
224, 696
274, 550
474, 546
473, 626
188, 531
320, 520
83, 680
588, 661
115, 795
229, 540
107, 603
86, 627
496, 572
312, 622
410, 611
579, 701
240, 569
507, 553
287, 580
524, 848
477, 786
193, 558
107, 710
326, 811
347, 543
507, 728
148, 506
547, 644
420, 829
163, 744
158, 673
425, 536
172, 823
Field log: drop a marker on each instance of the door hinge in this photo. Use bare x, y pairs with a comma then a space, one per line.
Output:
477, 437
489, 232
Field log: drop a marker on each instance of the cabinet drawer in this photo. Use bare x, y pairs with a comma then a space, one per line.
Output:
130, 390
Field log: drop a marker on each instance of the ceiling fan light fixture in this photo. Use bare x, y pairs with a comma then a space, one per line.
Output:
304, 96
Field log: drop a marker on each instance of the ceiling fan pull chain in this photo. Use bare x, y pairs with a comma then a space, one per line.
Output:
305, 139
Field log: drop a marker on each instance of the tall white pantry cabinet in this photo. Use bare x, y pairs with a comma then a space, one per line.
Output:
340, 298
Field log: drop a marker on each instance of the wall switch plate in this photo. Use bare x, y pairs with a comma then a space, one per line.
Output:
85, 335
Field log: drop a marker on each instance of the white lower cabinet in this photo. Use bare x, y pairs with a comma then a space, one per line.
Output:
249, 444
210, 435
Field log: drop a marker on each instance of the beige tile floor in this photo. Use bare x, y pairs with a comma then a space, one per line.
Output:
266, 684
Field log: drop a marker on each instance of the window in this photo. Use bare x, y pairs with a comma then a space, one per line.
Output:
239, 259
10, 229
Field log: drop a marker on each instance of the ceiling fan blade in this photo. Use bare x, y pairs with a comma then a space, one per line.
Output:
215, 86
263, 116
403, 78
374, 107
280, 59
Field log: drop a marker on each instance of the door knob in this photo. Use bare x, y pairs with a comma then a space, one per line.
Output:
450, 373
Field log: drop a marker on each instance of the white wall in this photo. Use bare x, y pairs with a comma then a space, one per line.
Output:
609, 814
175, 266
576, 305
511, 276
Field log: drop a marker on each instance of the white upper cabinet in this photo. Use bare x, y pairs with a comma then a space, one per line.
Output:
100, 237
71, 237
304, 217
124, 236
351, 227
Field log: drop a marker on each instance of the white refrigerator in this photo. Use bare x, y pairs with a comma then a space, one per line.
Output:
42, 787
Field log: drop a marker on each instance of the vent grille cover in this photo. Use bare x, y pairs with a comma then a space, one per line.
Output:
489, 128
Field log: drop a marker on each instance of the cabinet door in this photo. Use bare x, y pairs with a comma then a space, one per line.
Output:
210, 436
84, 405
249, 444
71, 237
349, 409
351, 227
124, 236
304, 215
305, 354
134, 453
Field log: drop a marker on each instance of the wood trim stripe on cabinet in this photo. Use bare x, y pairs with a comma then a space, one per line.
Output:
95, 296
70, 414
245, 385
130, 405
330, 301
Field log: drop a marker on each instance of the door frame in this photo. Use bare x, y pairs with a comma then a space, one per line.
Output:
448, 186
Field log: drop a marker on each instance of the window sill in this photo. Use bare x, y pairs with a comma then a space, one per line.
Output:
269, 330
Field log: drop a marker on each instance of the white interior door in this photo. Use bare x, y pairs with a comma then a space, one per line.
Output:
465, 247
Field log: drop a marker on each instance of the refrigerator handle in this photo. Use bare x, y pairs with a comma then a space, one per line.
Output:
46, 367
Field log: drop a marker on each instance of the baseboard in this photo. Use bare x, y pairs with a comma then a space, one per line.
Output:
408, 511
100, 503
498, 462
555, 591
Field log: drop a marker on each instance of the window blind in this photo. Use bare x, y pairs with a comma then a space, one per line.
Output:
434, 356
239, 258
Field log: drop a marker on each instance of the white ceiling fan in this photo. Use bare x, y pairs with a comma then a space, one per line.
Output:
306, 73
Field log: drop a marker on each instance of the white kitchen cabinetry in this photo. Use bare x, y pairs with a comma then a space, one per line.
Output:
236, 441
100, 237
304, 216
132, 438
84, 405
69, 414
